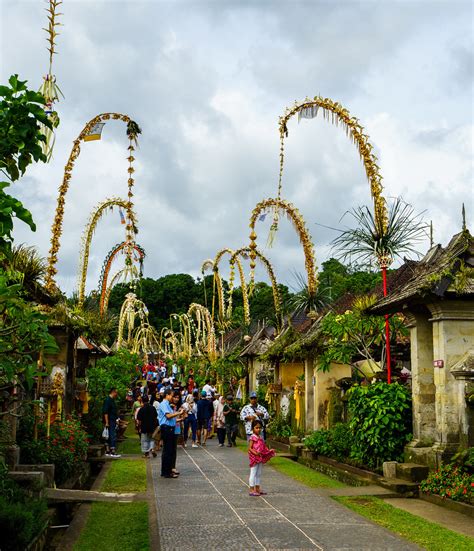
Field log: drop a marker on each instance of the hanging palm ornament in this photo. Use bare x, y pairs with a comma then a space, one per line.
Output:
91, 129
50, 89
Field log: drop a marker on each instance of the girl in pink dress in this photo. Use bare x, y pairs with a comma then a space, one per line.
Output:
258, 455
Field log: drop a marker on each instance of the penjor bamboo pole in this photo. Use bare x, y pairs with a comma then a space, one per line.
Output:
387, 328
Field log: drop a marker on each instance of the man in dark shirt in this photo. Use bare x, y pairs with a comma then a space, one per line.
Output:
205, 412
231, 414
109, 411
147, 422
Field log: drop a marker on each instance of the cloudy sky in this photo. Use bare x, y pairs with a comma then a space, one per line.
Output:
207, 81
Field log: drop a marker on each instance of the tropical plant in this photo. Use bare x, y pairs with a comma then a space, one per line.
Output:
21, 117
279, 426
65, 447
303, 300
380, 421
368, 241
21, 517
31, 267
351, 336
335, 442
450, 481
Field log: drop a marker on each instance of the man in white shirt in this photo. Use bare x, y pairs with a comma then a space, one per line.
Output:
253, 411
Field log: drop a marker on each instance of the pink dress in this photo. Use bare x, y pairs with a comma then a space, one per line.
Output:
259, 446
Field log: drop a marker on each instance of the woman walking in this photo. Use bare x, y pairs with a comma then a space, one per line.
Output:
176, 404
258, 455
219, 421
190, 421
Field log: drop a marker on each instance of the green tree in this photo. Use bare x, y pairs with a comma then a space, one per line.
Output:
23, 330
352, 336
21, 116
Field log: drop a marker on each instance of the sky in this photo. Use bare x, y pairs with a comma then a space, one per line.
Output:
207, 82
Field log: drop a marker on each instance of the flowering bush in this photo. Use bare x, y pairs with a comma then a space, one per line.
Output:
450, 481
66, 448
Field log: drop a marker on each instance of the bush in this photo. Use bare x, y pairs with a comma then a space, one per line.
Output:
450, 481
335, 442
21, 518
319, 442
66, 447
380, 422
279, 426
465, 459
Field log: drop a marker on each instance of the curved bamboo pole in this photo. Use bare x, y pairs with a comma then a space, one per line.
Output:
56, 230
104, 287
280, 205
89, 230
214, 265
245, 253
131, 307
205, 327
337, 114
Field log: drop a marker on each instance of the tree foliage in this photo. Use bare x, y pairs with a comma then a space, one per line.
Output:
351, 336
174, 293
380, 422
23, 330
21, 115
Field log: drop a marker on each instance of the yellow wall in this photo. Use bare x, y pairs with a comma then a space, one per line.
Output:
289, 372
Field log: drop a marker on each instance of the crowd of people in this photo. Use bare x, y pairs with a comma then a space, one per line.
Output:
168, 407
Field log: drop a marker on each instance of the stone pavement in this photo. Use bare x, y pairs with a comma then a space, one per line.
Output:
208, 507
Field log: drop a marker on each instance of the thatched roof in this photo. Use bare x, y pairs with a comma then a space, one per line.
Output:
443, 273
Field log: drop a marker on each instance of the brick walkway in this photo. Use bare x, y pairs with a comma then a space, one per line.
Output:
208, 507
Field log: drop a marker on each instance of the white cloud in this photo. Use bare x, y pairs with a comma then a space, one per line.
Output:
207, 82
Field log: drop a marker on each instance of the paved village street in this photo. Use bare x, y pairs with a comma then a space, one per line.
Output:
208, 507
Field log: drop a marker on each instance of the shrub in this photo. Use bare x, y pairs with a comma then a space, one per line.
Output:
380, 421
319, 442
335, 442
450, 481
66, 447
465, 459
279, 426
21, 518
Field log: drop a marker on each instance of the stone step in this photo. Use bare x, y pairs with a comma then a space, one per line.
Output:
287, 456
400, 485
412, 472
58, 495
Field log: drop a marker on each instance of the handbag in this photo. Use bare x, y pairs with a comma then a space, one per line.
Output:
105, 433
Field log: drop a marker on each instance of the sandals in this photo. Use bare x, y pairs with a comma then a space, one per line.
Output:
263, 493
254, 494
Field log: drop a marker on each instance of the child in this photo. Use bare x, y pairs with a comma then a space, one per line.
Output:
258, 455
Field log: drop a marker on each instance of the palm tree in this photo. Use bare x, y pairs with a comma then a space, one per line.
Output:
26, 263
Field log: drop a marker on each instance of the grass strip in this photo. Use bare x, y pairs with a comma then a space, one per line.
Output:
307, 476
132, 443
115, 527
125, 475
429, 535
